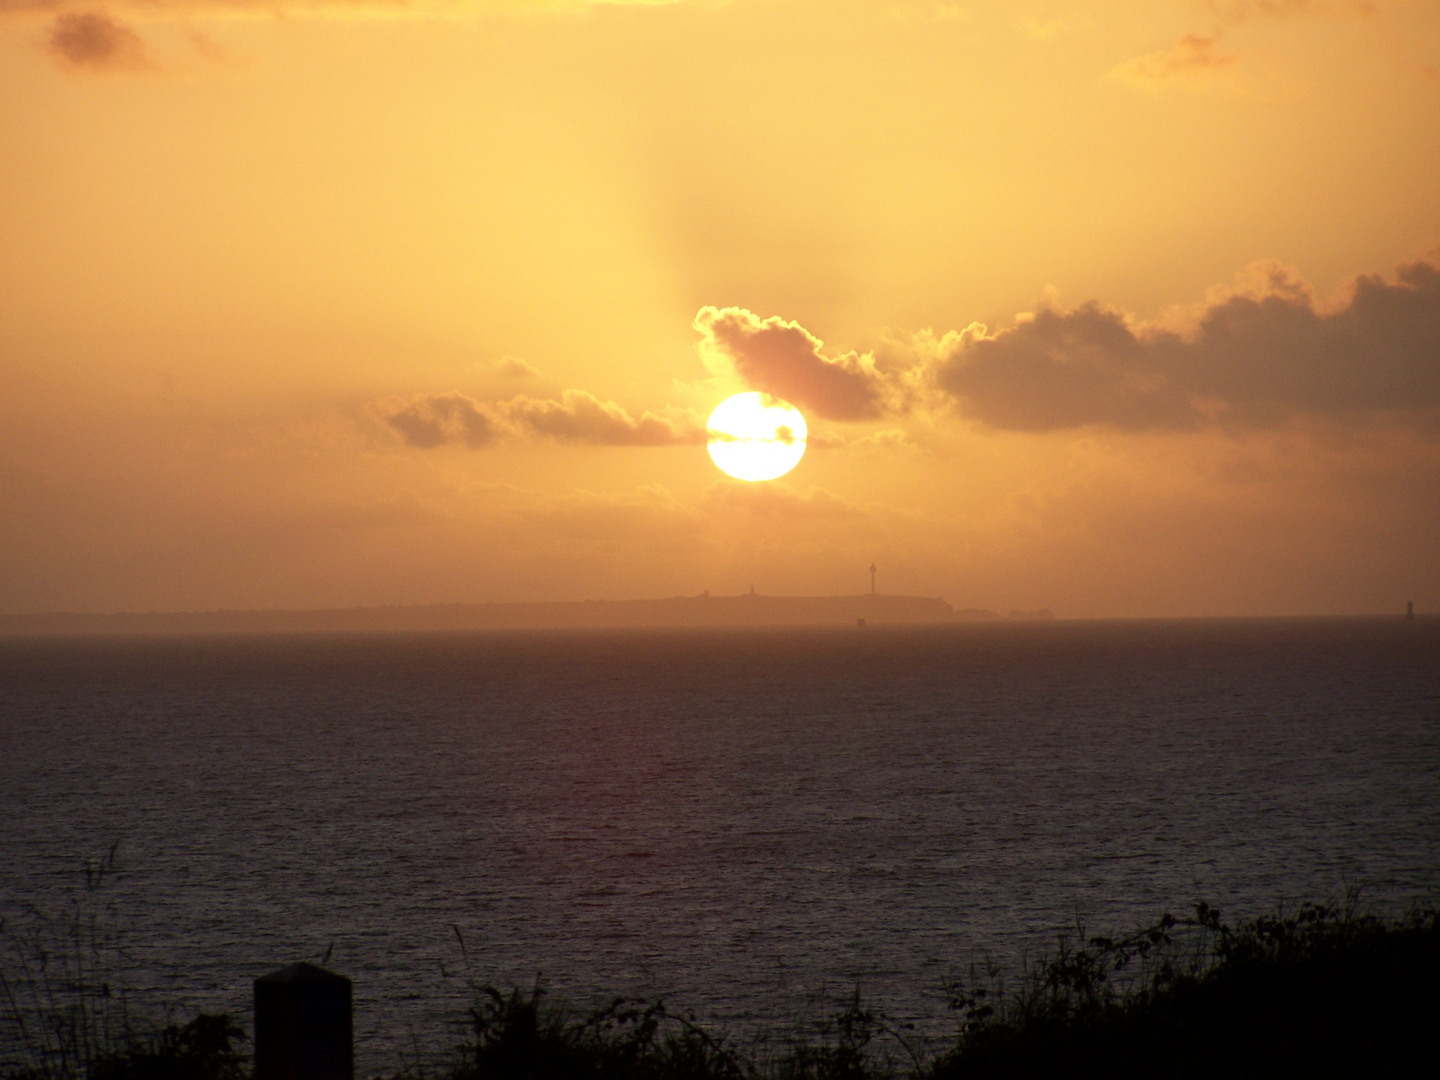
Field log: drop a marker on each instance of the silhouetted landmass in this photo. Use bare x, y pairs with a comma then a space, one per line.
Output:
679, 611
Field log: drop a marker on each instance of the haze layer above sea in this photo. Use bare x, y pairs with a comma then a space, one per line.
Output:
741, 821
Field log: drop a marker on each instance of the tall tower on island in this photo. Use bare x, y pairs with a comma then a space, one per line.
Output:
872, 579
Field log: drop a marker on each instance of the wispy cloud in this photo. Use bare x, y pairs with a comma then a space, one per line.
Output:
94, 41
512, 367
1040, 29
1240, 11
176, 9
1199, 61
1194, 57
90, 35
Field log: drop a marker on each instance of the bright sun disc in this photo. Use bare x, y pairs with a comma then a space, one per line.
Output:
756, 437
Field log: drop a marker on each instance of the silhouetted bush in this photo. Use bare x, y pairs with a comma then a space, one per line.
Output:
1320, 992
203, 1049
524, 1036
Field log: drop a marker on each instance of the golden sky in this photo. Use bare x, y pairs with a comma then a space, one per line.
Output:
1121, 308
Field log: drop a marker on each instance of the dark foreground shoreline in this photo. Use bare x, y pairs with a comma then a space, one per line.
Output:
1316, 991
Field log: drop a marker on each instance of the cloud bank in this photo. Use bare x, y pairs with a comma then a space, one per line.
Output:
427, 421
1250, 356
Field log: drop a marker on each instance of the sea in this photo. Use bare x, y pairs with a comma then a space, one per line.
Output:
751, 825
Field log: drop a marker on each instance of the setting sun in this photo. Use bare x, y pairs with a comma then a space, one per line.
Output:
1113, 308
756, 437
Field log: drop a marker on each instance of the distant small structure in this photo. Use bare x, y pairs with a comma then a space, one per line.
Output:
303, 1025
1409, 609
860, 624
872, 579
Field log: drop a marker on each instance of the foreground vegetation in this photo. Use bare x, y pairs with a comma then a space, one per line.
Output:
1320, 991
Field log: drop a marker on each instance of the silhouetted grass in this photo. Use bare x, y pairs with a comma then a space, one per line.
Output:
63, 1006
525, 1035
1323, 991
65, 1014
1319, 991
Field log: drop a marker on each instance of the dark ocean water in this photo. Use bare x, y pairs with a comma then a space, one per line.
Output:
740, 821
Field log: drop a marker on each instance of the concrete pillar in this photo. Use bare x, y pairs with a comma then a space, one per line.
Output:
303, 1028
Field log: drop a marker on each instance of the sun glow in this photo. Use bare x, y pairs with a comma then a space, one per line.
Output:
754, 436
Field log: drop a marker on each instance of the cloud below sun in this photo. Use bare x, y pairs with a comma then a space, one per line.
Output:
429, 420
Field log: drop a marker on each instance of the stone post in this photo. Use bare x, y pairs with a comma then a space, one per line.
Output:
303, 1027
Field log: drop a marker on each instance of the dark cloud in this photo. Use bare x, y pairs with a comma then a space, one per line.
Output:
1249, 358
96, 41
583, 418
1063, 370
784, 359
1380, 350
431, 420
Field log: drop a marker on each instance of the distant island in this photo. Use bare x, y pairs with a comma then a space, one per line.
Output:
747, 609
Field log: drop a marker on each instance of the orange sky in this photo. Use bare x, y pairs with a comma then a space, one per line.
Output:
1119, 308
